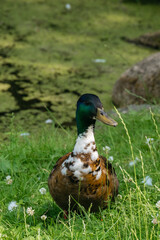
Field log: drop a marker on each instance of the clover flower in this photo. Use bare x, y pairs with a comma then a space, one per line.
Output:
158, 205
8, 177
12, 206
119, 196
42, 191
106, 148
154, 221
49, 121
68, 6
132, 163
43, 217
24, 134
147, 181
30, 211
149, 140
8, 180
110, 158
99, 60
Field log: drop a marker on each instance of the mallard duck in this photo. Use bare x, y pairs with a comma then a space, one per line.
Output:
83, 175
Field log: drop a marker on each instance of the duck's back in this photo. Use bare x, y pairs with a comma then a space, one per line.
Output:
85, 181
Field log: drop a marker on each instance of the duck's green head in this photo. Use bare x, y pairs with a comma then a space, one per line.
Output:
90, 108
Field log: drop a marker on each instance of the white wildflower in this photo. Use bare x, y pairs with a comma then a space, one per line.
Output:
8, 177
42, 190
158, 204
43, 217
132, 163
149, 140
147, 181
68, 6
12, 206
98, 60
106, 148
110, 158
30, 211
119, 196
154, 221
8, 180
49, 121
24, 134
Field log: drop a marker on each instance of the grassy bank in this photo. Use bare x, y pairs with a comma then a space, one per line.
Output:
29, 159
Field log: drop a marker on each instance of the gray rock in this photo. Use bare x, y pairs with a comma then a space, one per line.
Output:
139, 84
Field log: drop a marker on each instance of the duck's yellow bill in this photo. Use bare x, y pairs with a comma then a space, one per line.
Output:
103, 117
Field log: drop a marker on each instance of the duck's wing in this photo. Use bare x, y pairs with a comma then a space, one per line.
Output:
59, 163
113, 183
55, 174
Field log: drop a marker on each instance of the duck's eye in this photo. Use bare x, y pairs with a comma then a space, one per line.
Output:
87, 103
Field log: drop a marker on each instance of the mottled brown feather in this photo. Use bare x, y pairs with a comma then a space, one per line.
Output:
87, 191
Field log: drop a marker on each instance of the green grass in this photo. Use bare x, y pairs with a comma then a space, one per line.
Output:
47, 53
29, 160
